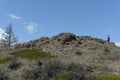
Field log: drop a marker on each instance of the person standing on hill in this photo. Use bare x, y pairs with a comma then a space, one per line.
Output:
108, 38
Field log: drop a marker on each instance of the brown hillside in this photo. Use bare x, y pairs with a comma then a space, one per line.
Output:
87, 50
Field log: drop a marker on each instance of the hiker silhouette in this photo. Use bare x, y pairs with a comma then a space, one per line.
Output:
108, 38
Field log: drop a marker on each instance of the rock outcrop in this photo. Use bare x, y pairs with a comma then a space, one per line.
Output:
66, 43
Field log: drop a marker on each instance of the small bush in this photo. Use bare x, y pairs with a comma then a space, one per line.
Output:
78, 53
3, 76
61, 76
14, 65
75, 71
106, 49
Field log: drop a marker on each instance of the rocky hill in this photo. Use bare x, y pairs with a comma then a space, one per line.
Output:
96, 54
80, 49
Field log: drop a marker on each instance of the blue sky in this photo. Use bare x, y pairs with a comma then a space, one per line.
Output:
32, 19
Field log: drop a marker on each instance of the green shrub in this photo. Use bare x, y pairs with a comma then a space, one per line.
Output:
91, 77
102, 77
61, 76
32, 54
107, 76
4, 60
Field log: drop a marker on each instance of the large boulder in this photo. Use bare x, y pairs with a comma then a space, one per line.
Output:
63, 38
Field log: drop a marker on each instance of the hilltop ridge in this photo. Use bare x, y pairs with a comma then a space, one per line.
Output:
64, 42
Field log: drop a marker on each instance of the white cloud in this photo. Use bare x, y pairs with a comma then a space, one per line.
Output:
1, 32
13, 16
117, 44
31, 27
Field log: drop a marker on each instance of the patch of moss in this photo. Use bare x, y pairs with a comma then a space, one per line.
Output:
106, 76
32, 54
109, 77
4, 60
60, 77
89, 77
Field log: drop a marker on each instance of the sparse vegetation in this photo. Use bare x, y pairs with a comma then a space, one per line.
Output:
55, 70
